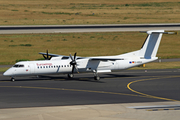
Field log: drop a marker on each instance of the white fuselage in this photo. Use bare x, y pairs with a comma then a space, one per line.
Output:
63, 66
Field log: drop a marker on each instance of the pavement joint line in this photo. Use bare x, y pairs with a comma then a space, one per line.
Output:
150, 96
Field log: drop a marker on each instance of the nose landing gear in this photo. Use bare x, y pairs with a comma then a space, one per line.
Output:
70, 75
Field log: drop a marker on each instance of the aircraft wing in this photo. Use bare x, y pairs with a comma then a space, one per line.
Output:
106, 59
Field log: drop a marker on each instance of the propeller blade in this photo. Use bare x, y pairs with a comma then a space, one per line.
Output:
76, 69
47, 54
74, 56
73, 69
44, 57
71, 56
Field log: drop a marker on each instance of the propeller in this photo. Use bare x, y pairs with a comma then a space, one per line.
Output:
47, 56
73, 63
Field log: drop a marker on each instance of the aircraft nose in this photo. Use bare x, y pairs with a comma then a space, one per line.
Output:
8, 72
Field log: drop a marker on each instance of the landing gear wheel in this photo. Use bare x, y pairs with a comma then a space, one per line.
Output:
96, 78
70, 75
12, 79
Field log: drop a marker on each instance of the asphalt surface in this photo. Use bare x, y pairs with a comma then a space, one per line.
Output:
130, 86
85, 28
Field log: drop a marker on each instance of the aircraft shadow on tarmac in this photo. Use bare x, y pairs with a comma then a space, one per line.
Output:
117, 76
58, 78
47, 78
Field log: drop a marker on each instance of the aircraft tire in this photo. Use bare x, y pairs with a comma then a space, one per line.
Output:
96, 78
70, 75
12, 79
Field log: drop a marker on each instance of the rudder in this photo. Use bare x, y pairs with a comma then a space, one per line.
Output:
151, 45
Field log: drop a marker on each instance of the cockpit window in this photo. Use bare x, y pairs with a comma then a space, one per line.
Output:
18, 65
15, 65
21, 65
65, 58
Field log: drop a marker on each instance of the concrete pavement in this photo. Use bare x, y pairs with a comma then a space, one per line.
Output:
92, 112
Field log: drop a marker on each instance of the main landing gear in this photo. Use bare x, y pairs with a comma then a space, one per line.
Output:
96, 77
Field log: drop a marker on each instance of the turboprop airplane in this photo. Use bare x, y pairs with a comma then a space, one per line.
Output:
59, 64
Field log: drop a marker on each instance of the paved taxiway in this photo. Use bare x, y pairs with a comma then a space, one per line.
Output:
117, 95
128, 86
23, 29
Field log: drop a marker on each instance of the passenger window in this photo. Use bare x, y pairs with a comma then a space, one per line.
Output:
46, 66
67, 65
43, 66
64, 65
51, 66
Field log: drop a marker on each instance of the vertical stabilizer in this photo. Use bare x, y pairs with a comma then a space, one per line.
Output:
151, 44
